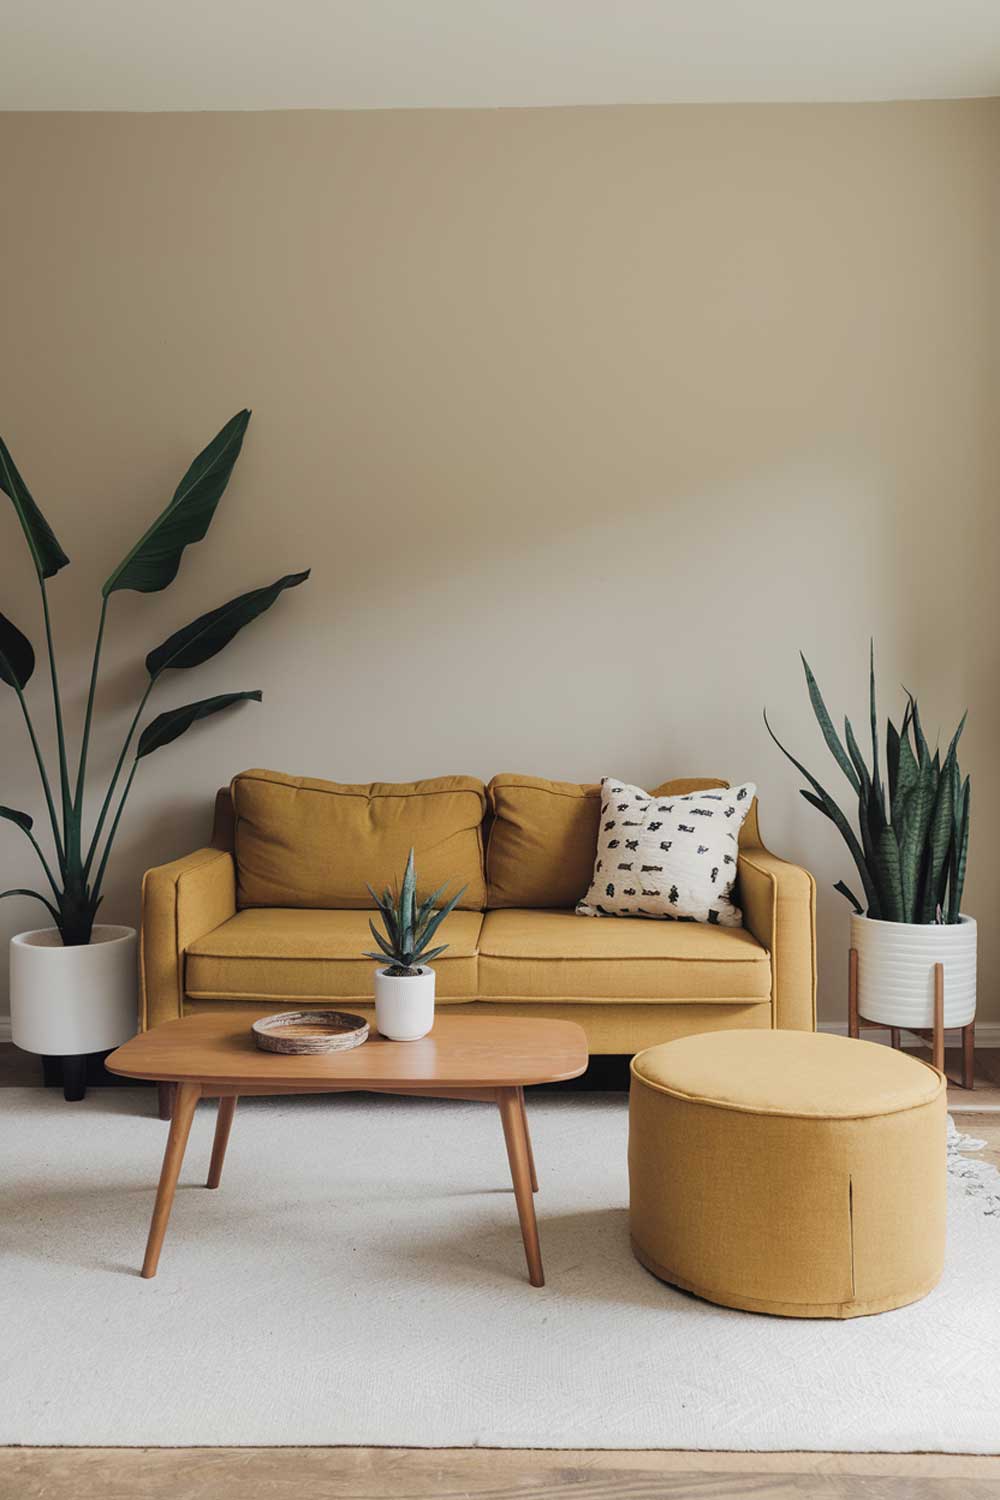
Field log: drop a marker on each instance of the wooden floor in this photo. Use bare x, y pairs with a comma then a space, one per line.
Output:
504, 1474
490, 1474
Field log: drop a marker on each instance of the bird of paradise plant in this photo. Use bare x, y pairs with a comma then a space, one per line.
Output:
75, 873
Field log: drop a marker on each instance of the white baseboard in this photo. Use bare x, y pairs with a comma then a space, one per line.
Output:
987, 1033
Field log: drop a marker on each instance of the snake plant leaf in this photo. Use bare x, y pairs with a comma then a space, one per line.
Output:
911, 835
46, 553
153, 562
907, 775
961, 848
888, 875
169, 726
891, 759
206, 636
939, 841
845, 890
826, 725
923, 749
836, 815
815, 802
873, 715
20, 818
17, 657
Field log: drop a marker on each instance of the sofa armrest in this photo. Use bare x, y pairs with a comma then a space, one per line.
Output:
779, 908
181, 901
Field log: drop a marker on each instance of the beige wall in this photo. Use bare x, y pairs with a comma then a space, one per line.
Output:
586, 421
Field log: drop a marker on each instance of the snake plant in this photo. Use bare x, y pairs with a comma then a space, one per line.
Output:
77, 870
408, 927
913, 828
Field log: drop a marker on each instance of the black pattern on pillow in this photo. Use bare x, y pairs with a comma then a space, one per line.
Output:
676, 862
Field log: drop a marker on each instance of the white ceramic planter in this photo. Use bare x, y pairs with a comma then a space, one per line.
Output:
896, 970
68, 1001
404, 1004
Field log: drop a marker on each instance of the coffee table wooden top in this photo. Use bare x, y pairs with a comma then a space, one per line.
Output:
461, 1052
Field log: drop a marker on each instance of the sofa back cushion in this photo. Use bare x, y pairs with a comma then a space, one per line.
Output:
301, 842
543, 839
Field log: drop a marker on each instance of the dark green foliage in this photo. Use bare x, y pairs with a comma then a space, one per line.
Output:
206, 636
914, 833
17, 655
46, 553
150, 566
408, 927
155, 558
169, 726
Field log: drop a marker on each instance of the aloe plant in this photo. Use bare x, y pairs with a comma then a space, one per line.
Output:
76, 871
912, 841
408, 927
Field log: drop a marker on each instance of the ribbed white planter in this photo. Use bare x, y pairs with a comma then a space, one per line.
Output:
896, 970
404, 1004
68, 1001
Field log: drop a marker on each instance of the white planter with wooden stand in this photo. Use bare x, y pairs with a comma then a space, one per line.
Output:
404, 1004
67, 1002
915, 977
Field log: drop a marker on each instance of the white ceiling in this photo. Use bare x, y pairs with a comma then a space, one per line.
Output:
385, 54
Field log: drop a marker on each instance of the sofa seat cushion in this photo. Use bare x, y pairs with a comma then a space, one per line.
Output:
280, 953
550, 955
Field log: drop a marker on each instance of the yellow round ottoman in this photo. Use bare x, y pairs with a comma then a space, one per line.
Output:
788, 1171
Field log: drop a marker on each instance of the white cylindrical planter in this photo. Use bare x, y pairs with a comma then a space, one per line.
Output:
69, 1001
404, 1004
896, 971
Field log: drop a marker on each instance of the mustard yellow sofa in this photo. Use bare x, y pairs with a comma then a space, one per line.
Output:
275, 911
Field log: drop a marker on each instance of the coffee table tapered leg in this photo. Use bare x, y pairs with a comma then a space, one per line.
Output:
527, 1137
180, 1127
511, 1114
223, 1125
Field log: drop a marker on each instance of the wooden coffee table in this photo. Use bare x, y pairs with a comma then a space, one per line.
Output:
214, 1056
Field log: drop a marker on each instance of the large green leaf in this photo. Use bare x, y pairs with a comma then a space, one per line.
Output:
46, 553
20, 818
169, 726
826, 725
153, 562
17, 658
206, 636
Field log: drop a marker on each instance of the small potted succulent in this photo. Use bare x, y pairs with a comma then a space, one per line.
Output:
404, 982
910, 852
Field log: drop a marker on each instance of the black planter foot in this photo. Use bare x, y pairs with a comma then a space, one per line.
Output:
74, 1077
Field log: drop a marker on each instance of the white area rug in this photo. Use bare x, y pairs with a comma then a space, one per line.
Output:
358, 1278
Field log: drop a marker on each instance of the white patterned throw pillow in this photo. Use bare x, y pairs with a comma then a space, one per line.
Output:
667, 857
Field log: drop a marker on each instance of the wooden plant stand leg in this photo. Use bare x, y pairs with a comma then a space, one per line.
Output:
894, 1037
166, 1093
527, 1137
188, 1095
937, 1042
512, 1118
223, 1125
853, 1019
969, 1056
